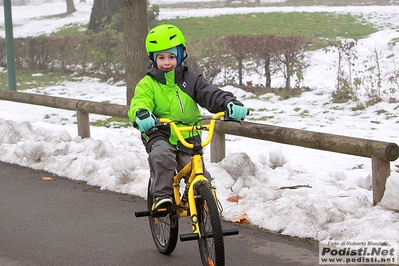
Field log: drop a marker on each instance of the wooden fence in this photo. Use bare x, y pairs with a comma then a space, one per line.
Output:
381, 153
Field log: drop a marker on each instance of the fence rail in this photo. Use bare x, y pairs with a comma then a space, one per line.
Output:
381, 153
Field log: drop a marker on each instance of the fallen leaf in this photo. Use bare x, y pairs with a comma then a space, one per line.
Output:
242, 219
47, 178
352, 188
235, 198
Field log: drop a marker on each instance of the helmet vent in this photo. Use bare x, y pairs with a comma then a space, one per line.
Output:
171, 37
155, 42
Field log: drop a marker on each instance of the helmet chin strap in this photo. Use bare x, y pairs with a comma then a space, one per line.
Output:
151, 56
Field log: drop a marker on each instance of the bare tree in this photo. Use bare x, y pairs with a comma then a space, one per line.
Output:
135, 27
70, 6
263, 47
290, 56
101, 13
239, 46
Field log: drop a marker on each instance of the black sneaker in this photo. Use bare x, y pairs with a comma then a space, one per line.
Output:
163, 202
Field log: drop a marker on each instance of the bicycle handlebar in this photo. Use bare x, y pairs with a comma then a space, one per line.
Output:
210, 127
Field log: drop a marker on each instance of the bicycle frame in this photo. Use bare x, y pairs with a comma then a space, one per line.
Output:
194, 168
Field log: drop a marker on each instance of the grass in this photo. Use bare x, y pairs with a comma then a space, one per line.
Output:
304, 113
26, 80
322, 26
336, 2
69, 30
113, 122
215, 4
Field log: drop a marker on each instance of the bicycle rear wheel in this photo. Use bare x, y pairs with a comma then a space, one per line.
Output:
164, 230
211, 245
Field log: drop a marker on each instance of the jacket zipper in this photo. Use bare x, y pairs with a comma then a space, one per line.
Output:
180, 102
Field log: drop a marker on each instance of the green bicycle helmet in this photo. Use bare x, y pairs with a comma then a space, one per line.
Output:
163, 37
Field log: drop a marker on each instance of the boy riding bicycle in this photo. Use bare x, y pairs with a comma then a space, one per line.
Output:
170, 90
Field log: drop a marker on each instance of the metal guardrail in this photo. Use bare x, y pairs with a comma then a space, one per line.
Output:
381, 153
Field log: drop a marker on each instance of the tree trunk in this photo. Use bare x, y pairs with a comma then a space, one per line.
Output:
288, 71
268, 74
240, 70
135, 28
70, 6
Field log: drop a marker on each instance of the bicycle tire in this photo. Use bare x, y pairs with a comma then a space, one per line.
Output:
211, 244
164, 230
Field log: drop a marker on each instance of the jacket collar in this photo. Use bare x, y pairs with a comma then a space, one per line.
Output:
168, 78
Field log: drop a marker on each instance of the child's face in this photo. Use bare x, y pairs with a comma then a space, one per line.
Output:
166, 61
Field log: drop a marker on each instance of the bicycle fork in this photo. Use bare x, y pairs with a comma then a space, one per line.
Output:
194, 217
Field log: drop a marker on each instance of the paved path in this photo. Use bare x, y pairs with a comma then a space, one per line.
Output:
65, 222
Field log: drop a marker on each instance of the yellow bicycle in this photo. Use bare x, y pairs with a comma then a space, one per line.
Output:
198, 201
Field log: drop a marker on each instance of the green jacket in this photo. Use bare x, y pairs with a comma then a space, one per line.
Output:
175, 95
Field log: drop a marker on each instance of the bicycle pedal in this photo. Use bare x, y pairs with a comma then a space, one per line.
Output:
142, 213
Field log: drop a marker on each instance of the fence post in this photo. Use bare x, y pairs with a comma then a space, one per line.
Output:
380, 171
83, 124
12, 82
218, 147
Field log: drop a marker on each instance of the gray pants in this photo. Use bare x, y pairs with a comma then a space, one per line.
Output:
164, 159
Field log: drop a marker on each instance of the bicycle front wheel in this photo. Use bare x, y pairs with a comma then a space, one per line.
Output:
211, 245
164, 230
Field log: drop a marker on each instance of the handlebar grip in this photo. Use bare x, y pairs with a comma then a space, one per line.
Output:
157, 123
